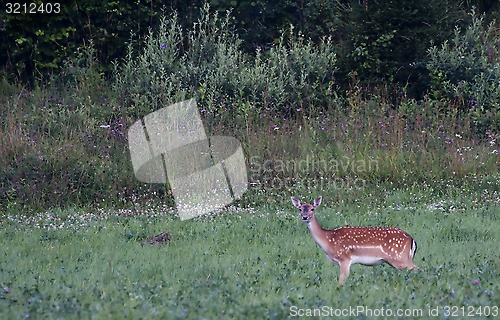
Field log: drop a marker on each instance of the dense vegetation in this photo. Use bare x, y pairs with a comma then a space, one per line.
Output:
64, 142
375, 39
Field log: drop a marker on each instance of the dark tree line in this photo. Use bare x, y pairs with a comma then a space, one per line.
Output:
377, 39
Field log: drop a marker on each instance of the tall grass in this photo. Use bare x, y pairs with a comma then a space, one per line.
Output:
65, 143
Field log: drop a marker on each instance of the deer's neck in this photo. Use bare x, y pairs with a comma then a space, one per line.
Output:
318, 234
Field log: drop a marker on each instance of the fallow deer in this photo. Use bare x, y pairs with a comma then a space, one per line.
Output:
368, 246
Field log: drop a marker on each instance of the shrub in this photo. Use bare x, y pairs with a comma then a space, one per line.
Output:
208, 63
467, 68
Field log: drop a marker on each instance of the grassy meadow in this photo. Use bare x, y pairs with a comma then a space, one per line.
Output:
248, 262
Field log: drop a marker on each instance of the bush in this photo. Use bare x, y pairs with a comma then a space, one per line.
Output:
467, 69
384, 41
209, 64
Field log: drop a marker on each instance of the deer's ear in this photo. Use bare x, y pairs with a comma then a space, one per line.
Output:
317, 202
296, 203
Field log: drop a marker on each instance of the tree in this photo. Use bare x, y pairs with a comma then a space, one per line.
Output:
385, 40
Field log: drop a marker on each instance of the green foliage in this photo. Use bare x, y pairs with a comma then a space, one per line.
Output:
35, 45
467, 68
386, 40
260, 23
65, 143
148, 81
56, 142
297, 73
382, 41
213, 67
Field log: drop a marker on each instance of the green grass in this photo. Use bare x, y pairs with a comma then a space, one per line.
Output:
247, 263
